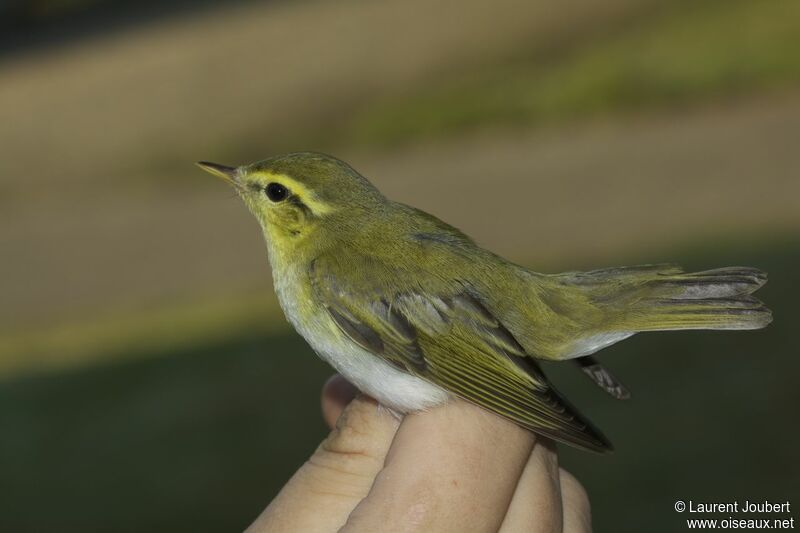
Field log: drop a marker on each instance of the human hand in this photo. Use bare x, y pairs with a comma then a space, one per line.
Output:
454, 468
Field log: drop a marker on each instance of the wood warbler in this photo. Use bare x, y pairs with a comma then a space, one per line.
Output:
413, 312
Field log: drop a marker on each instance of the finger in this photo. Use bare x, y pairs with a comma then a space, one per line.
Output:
336, 394
536, 506
575, 500
453, 468
324, 491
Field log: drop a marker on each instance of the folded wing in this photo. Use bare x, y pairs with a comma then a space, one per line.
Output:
451, 339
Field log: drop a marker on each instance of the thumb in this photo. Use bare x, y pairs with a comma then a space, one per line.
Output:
324, 491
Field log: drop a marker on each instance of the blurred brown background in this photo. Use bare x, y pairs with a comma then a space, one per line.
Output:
148, 380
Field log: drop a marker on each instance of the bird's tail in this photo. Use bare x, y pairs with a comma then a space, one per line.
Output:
711, 299
664, 297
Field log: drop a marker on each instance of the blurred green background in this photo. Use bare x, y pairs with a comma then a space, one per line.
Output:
148, 381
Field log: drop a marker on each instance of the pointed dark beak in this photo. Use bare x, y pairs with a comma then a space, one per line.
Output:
229, 174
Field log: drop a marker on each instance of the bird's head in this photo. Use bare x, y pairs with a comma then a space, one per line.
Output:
297, 195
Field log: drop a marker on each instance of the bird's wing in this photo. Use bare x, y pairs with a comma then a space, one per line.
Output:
451, 340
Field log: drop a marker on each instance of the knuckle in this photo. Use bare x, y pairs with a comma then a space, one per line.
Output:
351, 433
350, 447
323, 480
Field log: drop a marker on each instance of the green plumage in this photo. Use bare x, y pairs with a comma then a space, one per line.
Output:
441, 308
419, 294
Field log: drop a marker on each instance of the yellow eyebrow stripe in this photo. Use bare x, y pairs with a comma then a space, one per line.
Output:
308, 197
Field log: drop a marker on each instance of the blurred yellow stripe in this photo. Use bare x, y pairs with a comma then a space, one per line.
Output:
122, 335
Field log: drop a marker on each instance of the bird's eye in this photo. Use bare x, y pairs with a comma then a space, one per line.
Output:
276, 192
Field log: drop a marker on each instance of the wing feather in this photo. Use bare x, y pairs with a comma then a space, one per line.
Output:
454, 341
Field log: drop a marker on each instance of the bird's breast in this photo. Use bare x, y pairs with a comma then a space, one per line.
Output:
370, 373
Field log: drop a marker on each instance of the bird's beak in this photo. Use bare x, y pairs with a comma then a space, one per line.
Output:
229, 174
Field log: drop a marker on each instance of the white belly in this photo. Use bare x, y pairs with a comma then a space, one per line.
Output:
390, 386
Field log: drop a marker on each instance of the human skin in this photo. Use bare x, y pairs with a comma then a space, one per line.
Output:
456, 467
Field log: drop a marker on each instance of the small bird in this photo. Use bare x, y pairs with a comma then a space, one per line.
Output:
413, 312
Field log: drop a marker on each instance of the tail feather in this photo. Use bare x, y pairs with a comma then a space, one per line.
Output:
663, 297
717, 283
711, 299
